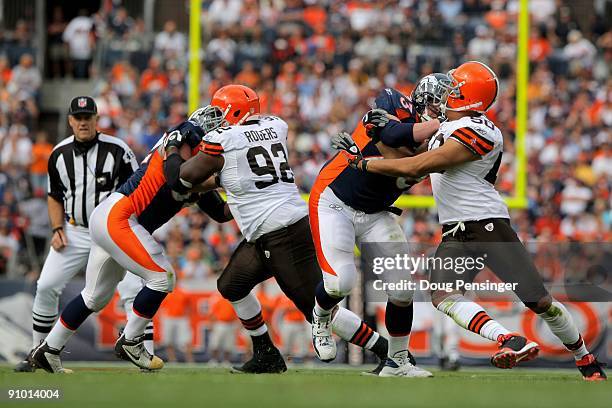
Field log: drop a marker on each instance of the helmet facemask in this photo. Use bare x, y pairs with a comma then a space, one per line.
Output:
209, 118
429, 95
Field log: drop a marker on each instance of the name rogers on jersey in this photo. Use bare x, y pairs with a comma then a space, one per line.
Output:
260, 135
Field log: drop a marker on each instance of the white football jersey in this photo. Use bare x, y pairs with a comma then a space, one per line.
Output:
256, 176
467, 192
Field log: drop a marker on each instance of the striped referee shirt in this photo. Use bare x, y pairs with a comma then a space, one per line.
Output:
81, 178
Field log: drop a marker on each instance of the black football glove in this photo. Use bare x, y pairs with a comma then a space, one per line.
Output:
373, 121
347, 147
187, 133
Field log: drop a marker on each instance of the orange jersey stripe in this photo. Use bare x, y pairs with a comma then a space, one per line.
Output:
467, 142
486, 144
121, 233
149, 185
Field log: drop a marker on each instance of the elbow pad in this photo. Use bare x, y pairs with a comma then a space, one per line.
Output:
214, 206
397, 134
172, 171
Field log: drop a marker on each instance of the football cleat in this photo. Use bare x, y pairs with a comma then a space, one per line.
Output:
591, 369
383, 361
513, 349
48, 359
400, 366
268, 361
25, 366
322, 339
135, 352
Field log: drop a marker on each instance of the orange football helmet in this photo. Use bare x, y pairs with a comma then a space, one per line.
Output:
237, 102
474, 87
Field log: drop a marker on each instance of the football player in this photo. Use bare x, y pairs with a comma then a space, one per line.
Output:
348, 206
251, 158
463, 161
121, 231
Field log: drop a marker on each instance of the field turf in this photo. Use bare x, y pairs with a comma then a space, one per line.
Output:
96, 385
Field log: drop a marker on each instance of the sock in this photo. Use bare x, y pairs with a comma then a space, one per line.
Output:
248, 310
471, 316
74, 314
145, 306
148, 339
398, 320
41, 326
351, 328
324, 303
397, 344
560, 322
381, 347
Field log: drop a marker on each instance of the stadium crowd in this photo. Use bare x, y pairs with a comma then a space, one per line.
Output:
318, 65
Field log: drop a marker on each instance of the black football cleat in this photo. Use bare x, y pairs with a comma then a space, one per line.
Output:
48, 359
591, 369
25, 366
267, 361
513, 349
135, 352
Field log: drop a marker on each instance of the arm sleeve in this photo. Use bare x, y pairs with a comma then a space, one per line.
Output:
172, 171
213, 205
397, 134
55, 187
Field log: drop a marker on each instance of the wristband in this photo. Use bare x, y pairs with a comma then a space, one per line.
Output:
57, 229
364, 165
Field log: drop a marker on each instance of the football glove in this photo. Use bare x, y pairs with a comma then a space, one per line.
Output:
373, 121
347, 147
189, 134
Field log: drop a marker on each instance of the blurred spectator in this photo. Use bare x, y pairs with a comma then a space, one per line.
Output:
176, 325
25, 79
169, 43
224, 324
80, 39
579, 51
482, 46
41, 150
294, 330
224, 12
55, 44
153, 78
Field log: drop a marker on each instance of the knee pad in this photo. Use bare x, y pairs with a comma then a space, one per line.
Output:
94, 304
231, 290
160, 281
401, 296
341, 284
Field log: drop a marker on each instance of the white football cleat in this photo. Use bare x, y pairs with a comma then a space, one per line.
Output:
322, 340
135, 352
400, 366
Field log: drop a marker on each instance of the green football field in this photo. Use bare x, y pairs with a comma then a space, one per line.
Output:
95, 385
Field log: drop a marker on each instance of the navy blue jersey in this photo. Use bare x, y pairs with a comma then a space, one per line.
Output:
153, 201
363, 191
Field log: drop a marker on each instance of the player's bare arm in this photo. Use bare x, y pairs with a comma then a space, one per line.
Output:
445, 157
56, 218
208, 185
200, 167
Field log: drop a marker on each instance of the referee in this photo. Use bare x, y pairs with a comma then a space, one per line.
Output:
83, 170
